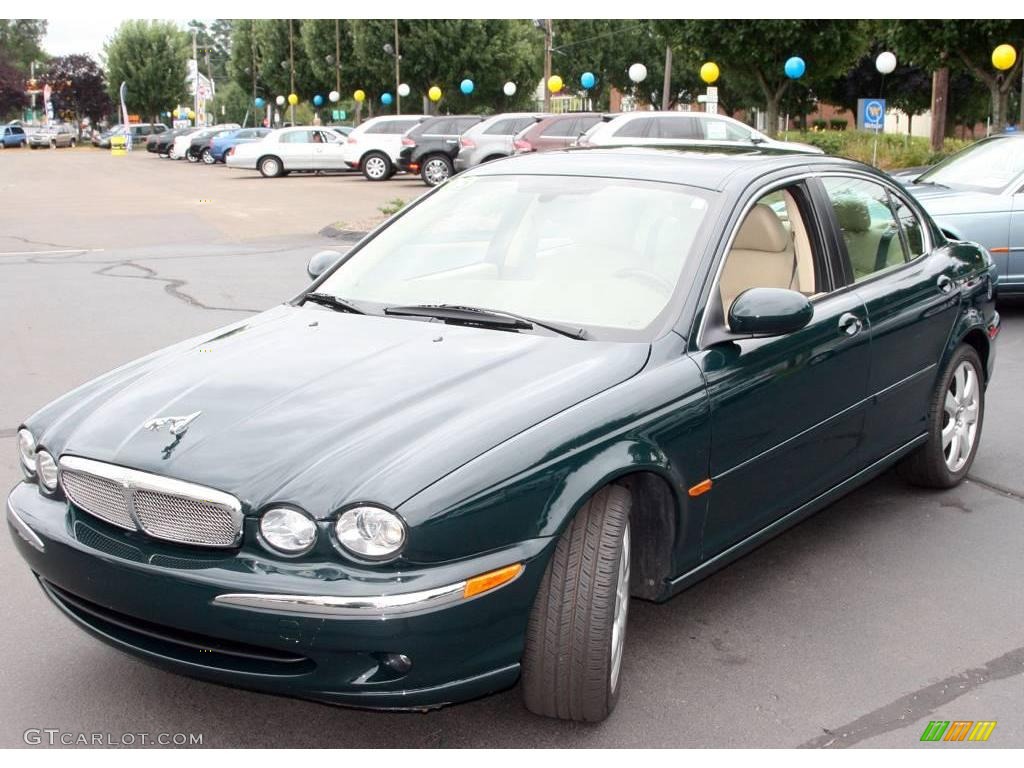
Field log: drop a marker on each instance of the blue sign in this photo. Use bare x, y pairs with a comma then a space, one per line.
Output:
873, 116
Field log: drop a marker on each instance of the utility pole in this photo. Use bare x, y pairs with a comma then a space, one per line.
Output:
548, 37
291, 67
1020, 122
398, 77
195, 59
337, 55
940, 96
667, 83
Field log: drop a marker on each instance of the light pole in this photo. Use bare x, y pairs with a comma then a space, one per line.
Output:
394, 50
291, 66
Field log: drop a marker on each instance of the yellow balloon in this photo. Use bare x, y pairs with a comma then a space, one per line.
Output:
1004, 57
434, 94
709, 72
191, 115
554, 83
293, 99
359, 95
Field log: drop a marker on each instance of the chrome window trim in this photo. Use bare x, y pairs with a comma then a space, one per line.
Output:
134, 479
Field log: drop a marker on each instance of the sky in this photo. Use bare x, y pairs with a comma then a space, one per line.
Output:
82, 35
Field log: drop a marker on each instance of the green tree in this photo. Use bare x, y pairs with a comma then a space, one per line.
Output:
231, 104
213, 42
78, 86
752, 53
21, 42
12, 91
151, 57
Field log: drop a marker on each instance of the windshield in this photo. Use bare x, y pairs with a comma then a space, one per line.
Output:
989, 166
593, 252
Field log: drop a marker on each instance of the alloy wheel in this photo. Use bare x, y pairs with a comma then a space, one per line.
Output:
208, 157
435, 171
621, 609
960, 420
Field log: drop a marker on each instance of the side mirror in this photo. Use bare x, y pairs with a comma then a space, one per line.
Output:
321, 262
769, 312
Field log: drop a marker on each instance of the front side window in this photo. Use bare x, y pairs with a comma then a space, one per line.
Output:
723, 130
868, 225
593, 252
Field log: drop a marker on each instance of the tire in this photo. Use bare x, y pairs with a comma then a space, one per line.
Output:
207, 157
436, 169
31, 146
72, 143
573, 653
270, 167
956, 412
376, 166
191, 156
162, 154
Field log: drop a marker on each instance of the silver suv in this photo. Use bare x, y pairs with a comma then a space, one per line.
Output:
492, 138
53, 136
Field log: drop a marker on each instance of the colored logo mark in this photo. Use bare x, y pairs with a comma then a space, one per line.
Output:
958, 730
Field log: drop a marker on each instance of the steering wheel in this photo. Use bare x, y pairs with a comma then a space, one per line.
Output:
650, 278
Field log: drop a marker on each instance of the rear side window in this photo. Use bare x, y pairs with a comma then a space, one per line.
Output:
297, 137
440, 128
634, 129
562, 128
868, 225
505, 127
463, 124
913, 229
675, 128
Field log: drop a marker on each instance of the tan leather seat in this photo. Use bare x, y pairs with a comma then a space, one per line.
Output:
762, 256
862, 240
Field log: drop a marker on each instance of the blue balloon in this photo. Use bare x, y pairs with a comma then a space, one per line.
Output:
587, 80
466, 86
318, 100
795, 67
259, 103
385, 99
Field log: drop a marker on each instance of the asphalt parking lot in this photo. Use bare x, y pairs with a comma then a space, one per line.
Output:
891, 608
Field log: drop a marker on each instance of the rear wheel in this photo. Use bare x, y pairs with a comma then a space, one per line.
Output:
207, 157
577, 629
377, 166
436, 169
270, 167
955, 416
73, 143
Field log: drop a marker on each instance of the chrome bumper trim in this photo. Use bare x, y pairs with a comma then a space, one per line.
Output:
374, 606
23, 530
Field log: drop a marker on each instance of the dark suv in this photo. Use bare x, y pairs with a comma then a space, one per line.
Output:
429, 149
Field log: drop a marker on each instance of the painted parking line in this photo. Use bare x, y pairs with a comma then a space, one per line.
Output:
50, 253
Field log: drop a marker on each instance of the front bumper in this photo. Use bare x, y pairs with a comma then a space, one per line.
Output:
165, 604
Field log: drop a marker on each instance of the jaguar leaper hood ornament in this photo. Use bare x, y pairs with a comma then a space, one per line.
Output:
176, 425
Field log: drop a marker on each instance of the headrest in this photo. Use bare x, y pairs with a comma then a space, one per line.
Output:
762, 231
852, 213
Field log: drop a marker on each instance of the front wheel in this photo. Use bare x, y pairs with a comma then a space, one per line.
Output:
576, 633
955, 415
191, 156
436, 170
207, 157
377, 166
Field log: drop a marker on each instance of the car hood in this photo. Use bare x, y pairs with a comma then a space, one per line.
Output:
318, 408
945, 201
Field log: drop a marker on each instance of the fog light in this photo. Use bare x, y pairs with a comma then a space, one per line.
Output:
397, 662
370, 532
288, 531
46, 468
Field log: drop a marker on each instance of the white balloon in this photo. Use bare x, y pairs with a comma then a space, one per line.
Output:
279, 100
886, 62
509, 88
333, 95
638, 73
403, 89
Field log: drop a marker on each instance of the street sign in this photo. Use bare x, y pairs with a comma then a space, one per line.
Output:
871, 114
338, 114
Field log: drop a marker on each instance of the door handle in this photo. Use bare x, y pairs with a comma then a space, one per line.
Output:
850, 324
945, 284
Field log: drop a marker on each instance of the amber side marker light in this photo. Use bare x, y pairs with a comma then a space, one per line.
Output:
488, 581
702, 487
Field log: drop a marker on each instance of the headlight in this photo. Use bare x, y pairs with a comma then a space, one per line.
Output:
288, 531
27, 452
370, 532
46, 468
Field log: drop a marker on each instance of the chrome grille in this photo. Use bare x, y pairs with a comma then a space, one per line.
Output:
185, 520
99, 496
164, 508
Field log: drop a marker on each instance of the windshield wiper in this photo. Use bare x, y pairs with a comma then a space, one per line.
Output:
928, 182
328, 300
485, 317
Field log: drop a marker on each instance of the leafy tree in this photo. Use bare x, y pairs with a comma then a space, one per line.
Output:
965, 44
754, 52
12, 91
231, 104
78, 86
151, 57
21, 42
214, 46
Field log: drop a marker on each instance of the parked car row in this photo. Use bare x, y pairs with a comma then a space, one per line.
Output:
139, 132
50, 136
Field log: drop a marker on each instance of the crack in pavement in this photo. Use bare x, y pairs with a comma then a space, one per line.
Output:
27, 241
172, 286
1002, 490
914, 706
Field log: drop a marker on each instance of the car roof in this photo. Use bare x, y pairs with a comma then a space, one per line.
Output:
707, 167
671, 113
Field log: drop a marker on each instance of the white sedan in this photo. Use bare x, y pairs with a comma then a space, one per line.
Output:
302, 148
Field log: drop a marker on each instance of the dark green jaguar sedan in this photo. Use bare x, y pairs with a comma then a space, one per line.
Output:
556, 382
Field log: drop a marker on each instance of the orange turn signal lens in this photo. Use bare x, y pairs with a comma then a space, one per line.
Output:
702, 487
485, 582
